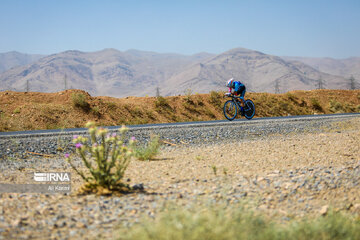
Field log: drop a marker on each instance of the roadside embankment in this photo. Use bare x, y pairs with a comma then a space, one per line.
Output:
73, 108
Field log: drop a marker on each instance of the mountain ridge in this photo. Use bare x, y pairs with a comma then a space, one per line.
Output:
134, 72
346, 67
257, 70
12, 59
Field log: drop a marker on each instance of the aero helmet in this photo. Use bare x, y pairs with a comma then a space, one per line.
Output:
229, 83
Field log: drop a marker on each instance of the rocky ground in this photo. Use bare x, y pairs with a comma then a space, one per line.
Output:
283, 174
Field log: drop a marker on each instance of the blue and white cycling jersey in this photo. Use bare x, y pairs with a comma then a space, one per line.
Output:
238, 86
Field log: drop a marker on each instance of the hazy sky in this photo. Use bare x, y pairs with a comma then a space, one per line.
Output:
312, 28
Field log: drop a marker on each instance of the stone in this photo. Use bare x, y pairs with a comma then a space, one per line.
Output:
324, 210
356, 208
139, 187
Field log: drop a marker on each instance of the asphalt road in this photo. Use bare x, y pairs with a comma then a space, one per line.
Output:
171, 125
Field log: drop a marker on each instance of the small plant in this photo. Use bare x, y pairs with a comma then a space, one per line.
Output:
79, 101
199, 157
161, 102
137, 112
188, 94
284, 106
111, 105
214, 168
150, 151
336, 107
292, 97
106, 157
316, 104
215, 99
96, 111
225, 171
17, 110
357, 109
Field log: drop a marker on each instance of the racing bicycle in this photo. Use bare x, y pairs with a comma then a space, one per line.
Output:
233, 106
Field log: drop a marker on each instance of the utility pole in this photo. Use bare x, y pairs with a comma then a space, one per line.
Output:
352, 82
157, 92
65, 82
277, 86
27, 86
320, 83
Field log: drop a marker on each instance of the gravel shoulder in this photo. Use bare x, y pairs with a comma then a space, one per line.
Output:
282, 173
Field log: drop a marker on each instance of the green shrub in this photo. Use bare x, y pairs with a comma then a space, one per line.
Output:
106, 158
112, 106
316, 104
302, 102
214, 168
219, 222
96, 111
79, 101
137, 112
357, 109
150, 151
292, 97
336, 107
161, 102
200, 102
215, 99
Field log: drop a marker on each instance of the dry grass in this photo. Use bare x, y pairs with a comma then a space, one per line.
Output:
32, 110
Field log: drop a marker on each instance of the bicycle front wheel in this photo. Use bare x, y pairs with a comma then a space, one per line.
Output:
230, 110
249, 109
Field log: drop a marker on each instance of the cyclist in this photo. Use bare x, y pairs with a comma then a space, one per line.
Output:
237, 88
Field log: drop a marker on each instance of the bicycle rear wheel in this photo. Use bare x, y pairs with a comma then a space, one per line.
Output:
230, 110
249, 109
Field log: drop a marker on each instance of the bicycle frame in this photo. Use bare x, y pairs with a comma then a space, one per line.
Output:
237, 100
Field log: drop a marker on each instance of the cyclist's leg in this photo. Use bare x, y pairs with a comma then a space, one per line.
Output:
242, 91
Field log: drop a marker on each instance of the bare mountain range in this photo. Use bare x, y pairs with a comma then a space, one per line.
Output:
257, 70
107, 72
14, 59
341, 67
138, 73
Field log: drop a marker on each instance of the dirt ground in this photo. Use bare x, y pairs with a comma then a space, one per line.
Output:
283, 176
336, 148
74, 108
